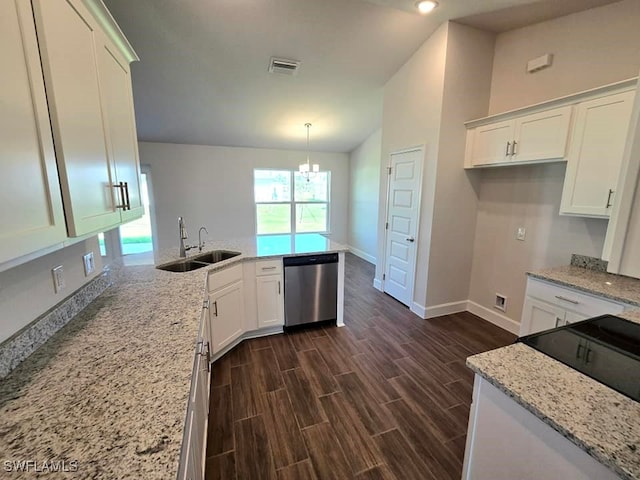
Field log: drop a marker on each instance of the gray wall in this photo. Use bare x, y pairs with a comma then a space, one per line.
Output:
590, 48
213, 186
364, 180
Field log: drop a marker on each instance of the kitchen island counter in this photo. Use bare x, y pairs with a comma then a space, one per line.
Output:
600, 421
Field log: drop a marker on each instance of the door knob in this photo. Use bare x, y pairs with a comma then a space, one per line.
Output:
411, 239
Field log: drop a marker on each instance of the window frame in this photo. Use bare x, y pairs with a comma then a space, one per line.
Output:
292, 202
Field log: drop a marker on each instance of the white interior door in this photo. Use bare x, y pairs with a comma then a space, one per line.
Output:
403, 210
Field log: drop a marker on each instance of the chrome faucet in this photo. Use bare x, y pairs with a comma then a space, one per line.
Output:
200, 242
182, 230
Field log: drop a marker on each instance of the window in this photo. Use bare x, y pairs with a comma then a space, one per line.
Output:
286, 202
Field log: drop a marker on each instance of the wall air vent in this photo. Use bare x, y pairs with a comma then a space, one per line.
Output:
283, 66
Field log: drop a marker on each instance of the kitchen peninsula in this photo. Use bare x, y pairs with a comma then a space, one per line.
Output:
110, 389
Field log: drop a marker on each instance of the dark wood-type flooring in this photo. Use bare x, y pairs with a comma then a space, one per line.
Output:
385, 397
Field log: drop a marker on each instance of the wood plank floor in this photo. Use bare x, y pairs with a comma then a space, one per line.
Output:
385, 397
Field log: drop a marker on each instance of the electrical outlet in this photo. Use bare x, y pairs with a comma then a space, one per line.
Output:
521, 233
89, 265
58, 278
501, 302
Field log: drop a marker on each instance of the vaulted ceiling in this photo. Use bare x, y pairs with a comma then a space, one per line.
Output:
203, 76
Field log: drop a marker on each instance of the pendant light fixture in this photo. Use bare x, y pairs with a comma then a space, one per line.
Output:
306, 169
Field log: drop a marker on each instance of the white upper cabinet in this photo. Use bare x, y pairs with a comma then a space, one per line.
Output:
88, 90
119, 120
541, 136
595, 155
31, 217
536, 137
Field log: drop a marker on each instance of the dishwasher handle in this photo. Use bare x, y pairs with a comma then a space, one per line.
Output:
303, 260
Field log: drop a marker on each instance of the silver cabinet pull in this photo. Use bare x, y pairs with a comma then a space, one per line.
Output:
410, 239
507, 150
278, 287
558, 320
609, 204
513, 147
120, 187
565, 299
579, 351
215, 308
268, 268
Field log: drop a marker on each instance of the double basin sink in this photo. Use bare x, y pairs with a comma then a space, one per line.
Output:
198, 261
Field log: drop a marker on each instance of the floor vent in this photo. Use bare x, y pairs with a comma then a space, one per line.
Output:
283, 66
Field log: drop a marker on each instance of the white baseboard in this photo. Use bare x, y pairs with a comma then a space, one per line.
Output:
363, 255
494, 317
377, 284
438, 310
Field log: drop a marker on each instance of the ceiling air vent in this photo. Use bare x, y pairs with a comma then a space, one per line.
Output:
283, 66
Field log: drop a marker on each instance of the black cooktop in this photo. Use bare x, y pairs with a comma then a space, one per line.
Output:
606, 348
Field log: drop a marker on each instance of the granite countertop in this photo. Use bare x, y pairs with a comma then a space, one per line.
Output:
110, 389
261, 247
615, 287
599, 420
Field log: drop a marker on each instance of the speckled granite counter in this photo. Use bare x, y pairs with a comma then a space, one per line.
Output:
266, 246
601, 421
110, 389
615, 287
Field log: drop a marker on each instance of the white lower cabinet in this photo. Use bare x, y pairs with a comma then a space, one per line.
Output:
194, 443
548, 306
226, 315
269, 293
505, 441
270, 300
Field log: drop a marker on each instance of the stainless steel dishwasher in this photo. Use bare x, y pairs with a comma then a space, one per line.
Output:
310, 289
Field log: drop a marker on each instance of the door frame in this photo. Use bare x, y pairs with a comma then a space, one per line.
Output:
421, 148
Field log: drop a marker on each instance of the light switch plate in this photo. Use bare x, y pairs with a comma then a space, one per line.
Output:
521, 233
58, 278
89, 265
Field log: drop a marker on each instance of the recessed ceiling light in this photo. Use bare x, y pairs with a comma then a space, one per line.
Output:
426, 6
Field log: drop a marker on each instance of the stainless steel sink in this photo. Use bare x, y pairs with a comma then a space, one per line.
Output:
183, 266
215, 256
198, 261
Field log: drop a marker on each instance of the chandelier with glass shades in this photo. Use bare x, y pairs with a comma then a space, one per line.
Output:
306, 169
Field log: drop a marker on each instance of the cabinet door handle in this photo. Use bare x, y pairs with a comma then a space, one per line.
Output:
507, 150
268, 268
126, 202
579, 351
278, 287
513, 147
609, 204
558, 320
122, 204
215, 308
587, 359
565, 299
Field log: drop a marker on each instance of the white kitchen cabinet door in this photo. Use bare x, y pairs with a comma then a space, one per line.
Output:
270, 301
226, 315
67, 41
541, 136
492, 143
119, 120
538, 316
595, 155
31, 217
